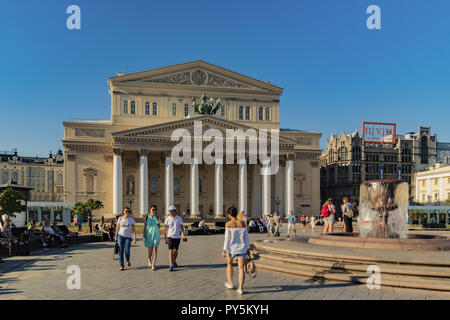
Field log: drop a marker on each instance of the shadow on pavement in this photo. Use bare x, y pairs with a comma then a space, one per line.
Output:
297, 287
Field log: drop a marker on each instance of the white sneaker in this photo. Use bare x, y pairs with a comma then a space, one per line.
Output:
241, 292
228, 286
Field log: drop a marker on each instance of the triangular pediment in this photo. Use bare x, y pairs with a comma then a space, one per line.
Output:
197, 74
164, 130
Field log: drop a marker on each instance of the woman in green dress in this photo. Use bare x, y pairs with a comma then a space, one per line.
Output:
152, 236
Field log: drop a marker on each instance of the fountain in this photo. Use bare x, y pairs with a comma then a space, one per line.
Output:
383, 213
406, 260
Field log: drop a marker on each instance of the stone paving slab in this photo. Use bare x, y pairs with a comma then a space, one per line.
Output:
200, 276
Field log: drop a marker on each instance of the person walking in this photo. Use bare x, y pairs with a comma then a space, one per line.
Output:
269, 225
291, 223
172, 234
312, 223
125, 233
347, 211
327, 212
152, 236
303, 221
236, 244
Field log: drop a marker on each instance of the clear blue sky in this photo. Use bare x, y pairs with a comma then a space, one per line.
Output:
336, 73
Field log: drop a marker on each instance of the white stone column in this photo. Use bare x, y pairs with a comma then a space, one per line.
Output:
429, 197
279, 191
256, 191
441, 189
289, 186
194, 188
242, 188
168, 184
218, 189
117, 183
266, 189
143, 182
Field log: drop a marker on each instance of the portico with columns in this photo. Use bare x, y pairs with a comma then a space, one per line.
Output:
204, 194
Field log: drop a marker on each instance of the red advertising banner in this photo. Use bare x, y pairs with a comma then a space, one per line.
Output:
379, 132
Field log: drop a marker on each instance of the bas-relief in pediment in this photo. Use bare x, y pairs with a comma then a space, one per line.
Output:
200, 77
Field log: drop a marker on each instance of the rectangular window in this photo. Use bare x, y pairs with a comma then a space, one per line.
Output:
125, 106
260, 113
174, 109
186, 110
147, 108
241, 113
267, 114
155, 108
247, 113
222, 110
133, 107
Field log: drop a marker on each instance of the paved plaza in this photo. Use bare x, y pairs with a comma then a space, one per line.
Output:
201, 275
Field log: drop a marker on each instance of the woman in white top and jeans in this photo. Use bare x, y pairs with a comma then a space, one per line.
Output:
235, 245
125, 231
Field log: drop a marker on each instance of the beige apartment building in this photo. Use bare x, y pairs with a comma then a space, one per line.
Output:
127, 160
44, 175
433, 184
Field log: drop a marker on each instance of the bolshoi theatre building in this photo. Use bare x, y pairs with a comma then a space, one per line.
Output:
128, 161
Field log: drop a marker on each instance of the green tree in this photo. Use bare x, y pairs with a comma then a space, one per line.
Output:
10, 202
206, 106
79, 209
92, 205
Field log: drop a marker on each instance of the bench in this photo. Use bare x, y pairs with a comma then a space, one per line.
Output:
100, 233
219, 226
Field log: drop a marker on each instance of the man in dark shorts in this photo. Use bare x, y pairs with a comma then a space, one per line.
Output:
172, 235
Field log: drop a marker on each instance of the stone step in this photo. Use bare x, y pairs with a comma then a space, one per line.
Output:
320, 273
407, 270
327, 255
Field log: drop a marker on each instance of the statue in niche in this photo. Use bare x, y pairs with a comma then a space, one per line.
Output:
130, 186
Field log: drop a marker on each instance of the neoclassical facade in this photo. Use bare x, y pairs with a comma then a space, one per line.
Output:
128, 160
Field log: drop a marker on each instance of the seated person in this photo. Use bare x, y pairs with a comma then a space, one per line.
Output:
112, 229
252, 226
104, 229
7, 233
202, 226
49, 231
34, 234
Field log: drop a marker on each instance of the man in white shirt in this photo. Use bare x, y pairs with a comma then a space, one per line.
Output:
172, 234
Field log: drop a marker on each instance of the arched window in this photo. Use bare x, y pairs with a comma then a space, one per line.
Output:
125, 106
176, 186
241, 113
59, 179
260, 113
153, 186
186, 110
15, 177
174, 109
424, 150
133, 107
5, 177
147, 108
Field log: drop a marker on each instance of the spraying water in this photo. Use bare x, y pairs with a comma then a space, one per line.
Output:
384, 209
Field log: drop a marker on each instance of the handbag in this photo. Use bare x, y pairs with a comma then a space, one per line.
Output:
116, 248
250, 267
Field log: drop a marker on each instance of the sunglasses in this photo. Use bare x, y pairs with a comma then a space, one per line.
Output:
128, 211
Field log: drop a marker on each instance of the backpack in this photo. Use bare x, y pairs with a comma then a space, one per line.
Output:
350, 213
324, 211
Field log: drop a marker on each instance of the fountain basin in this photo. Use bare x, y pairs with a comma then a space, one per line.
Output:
411, 242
